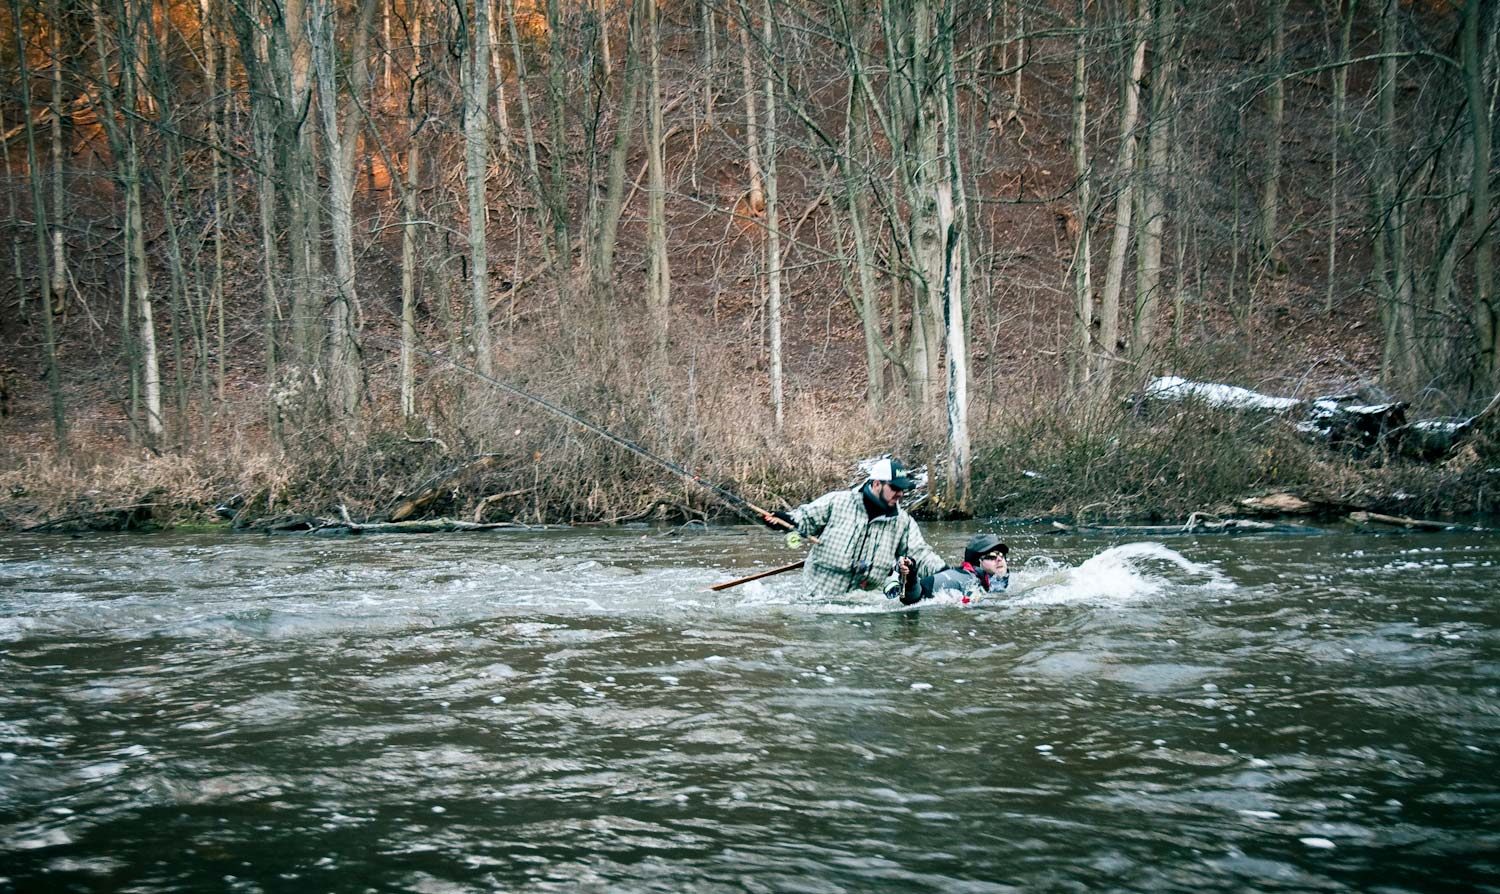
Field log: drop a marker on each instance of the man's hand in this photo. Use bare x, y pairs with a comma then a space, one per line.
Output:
780, 520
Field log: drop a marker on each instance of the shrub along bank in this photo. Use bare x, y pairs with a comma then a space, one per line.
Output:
1115, 466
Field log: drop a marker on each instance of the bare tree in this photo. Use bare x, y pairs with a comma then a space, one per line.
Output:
476, 164
39, 228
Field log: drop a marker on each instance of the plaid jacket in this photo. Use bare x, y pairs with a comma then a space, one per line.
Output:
855, 552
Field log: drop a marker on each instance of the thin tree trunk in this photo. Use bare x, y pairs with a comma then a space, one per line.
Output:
607, 227
39, 229
1336, 142
1114, 277
502, 105
1081, 363
557, 193
1148, 289
1270, 194
757, 200
1486, 305
340, 139
773, 232
951, 223
533, 170
1390, 245
476, 157
59, 246
409, 261
658, 273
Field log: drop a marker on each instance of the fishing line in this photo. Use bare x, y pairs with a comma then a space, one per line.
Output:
738, 503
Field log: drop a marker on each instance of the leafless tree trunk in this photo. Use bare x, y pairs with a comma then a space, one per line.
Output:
1476, 50
340, 136
658, 271
1339, 138
59, 246
1148, 287
952, 223
1125, 173
1270, 192
1080, 368
1391, 261
476, 161
409, 259
773, 230
757, 201
39, 228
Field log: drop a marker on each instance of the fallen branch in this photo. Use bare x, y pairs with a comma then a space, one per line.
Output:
1419, 524
1196, 524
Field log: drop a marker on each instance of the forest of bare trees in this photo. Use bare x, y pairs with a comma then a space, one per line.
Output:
726, 226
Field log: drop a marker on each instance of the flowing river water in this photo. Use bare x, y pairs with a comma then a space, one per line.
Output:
539, 711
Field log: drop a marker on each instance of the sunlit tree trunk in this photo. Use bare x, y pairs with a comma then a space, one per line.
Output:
757, 201
773, 233
409, 259
497, 70
952, 223
533, 169
59, 246
658, 272
476, 158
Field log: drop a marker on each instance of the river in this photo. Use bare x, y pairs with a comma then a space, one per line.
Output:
561, 711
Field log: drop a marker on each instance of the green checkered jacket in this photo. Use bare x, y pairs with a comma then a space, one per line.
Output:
847, 535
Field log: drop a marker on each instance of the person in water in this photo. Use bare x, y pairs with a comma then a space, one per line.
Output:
985, 570
865, 540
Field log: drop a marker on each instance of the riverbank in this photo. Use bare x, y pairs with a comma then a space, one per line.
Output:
1125, 468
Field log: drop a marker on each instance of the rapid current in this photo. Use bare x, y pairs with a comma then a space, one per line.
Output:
561, 711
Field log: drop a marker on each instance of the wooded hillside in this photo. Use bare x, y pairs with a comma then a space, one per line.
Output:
265, 244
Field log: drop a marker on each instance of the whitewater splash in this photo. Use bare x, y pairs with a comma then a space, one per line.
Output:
1127, 573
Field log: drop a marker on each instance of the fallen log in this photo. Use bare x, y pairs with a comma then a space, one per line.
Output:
1361, 518
1196, 524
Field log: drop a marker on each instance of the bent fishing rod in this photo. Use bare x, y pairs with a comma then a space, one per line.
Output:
735, 501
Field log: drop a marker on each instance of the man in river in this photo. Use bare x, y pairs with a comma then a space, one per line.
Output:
985, 570
865, 540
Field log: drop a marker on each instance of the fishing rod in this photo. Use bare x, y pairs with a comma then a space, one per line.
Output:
735, 501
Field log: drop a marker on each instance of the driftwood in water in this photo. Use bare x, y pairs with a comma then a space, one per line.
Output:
1418, 524
1197, 523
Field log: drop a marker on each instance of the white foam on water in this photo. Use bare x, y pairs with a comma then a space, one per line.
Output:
1128, 573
